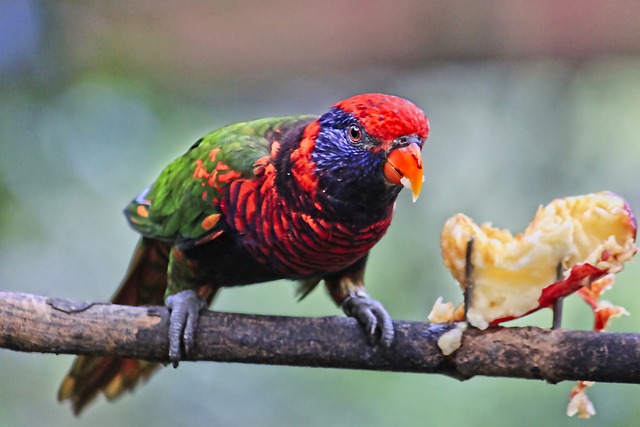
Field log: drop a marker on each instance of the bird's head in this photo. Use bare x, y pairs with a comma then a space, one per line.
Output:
364, 150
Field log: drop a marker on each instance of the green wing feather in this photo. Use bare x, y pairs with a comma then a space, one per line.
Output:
183, 203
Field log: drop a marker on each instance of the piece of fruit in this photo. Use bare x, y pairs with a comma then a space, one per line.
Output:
579, 402
570, 243
451, 340
442, 312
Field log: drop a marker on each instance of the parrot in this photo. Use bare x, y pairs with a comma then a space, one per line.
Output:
298, 197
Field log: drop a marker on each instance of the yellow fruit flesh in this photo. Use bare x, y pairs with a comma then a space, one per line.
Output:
510, 272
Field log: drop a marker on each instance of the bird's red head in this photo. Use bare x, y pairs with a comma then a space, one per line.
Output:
400, 127
357, 156
386, 117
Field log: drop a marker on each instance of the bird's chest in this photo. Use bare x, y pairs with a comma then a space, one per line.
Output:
296, 239
299, 244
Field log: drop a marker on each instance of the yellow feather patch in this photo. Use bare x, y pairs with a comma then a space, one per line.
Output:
142, 211
209, 222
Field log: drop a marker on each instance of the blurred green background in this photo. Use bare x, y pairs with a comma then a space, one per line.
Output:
528, 101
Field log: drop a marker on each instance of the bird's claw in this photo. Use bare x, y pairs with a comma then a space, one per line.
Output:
372, 316
185, 307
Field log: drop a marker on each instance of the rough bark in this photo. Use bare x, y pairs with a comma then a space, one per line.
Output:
33, 323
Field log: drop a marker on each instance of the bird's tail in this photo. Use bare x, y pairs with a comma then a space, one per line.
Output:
144, 284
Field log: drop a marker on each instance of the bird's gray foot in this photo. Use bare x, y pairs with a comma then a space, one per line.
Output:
371, 315
185, 307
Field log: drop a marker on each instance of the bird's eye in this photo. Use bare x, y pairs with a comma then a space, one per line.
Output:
355, 133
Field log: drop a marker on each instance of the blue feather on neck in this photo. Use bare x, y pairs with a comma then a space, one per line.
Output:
351, 184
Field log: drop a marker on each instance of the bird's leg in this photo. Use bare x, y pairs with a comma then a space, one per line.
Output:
371, 315
557, 306
468, 278
183, 302
346, 287
185, 307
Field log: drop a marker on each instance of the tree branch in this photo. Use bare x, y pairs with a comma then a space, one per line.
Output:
33, 323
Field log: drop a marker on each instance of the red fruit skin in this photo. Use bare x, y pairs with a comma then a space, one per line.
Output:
582, 275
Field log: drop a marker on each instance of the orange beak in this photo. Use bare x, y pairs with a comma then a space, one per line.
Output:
404, 167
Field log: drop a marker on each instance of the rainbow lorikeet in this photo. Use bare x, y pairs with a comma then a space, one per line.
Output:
298, 197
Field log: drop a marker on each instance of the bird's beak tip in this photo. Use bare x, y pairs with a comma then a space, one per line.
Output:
404, 167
